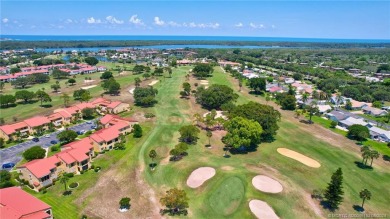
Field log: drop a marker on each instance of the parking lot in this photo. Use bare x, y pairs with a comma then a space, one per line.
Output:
14, 154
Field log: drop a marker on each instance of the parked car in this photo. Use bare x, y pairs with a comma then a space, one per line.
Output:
53, 142
93, 127
35, 139
7, 165
47, 136
89, 122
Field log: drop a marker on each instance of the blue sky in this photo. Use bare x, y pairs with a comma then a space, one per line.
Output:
307, 19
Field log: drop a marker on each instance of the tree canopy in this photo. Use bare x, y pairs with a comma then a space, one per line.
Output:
242, 132
145, 96
91, 60
358, 132
202, 70
334, 192
24, 95
35, 152
176, 201
265, 115
257, 84
189, 134
215, 96
67, 136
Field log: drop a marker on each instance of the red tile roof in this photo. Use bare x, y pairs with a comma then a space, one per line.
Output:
64, 113
41, 167
10, 129
16, 203
114, 104
106, 135
54, 116
37, 121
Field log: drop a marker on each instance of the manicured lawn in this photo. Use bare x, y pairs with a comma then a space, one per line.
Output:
379, 146
22, 111
228, 193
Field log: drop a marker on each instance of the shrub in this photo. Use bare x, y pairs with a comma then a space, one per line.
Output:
73, 185
149, 115
54, 148
386, 157
33, 153
84, 216
97, 169
333, 124
70, 175
43, 190
124, 203
92, 166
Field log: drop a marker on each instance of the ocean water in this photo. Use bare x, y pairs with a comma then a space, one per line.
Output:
189, 38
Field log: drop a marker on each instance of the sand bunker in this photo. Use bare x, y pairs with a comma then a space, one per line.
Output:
153, 82
132, 90
266, 184
199, 176
299, 157
88, 81
262, 210
219, 115
204, 82
88, 87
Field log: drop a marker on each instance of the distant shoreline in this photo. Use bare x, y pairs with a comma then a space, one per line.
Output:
57, 42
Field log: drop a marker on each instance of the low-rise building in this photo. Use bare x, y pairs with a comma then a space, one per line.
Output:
346, 123
374, 111
18, 204
112, 107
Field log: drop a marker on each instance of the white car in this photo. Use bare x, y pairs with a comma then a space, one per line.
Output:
47, 136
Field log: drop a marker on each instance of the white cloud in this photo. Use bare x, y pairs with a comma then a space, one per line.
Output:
239, 25
202, 25
273, 26
113, 20
135, 20
256, 26
174, 24
158, 21
68, 21
92, 20
33, 27
5, 20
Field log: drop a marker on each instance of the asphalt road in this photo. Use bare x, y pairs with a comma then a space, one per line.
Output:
14, 154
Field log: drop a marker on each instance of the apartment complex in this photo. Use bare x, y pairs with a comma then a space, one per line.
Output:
60, 117
76, 156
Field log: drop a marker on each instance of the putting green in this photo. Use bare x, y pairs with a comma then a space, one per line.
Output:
227, 196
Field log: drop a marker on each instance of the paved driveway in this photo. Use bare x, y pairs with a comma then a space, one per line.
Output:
14, 154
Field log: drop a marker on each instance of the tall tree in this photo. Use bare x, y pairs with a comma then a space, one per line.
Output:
209, 134
43, 96
373, 155
137, 81
334, 192
257, 84
91, 60
56, 86
137, 131
189, 134
66, 98
64, 180
365, 194
176, 201
24, 95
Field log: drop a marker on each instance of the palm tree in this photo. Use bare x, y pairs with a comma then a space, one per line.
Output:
267, 98
209, 135
197, 118
298, 113
305, 96
373, 154
240, 84
366, 153
64, 179
315, 95
338, 100
365, 194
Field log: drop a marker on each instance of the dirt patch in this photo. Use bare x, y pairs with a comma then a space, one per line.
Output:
227, 168
299, 157
314, 206
199, 176
132, 90
153, 82
262, 210
88, 81
175, 119
266, 184
88, 87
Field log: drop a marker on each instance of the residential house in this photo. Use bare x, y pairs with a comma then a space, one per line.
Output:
374, 111
337, 116
357, 105
11, 131
346, 123
37, 124
18, 204
105, 139
74, 158
302, 87
124, 125
107, 106
379, 134
324, 108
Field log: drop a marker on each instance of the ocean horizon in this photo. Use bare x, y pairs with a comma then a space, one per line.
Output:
182, 38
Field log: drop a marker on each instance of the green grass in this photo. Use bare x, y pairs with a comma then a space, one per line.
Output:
22, 111
227, 196
228, 193
379, 146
